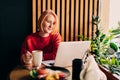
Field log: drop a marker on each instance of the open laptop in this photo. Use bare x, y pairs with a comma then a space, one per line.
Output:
67, 51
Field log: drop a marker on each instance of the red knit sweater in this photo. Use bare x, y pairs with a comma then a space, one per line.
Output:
48, 45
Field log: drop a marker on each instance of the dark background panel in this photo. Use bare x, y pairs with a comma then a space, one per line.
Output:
15, 25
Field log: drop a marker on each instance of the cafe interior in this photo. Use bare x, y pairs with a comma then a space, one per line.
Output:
79, 20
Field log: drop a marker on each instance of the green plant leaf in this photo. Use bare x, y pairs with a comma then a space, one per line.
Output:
117, 62
102, 37
114, 46
106, 40
113, 61
97, 33
103, 61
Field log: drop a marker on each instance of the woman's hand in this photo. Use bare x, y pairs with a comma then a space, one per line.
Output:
27, 59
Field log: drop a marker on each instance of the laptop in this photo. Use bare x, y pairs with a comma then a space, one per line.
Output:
67, 51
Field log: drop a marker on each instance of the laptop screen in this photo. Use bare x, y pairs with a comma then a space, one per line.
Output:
67, 51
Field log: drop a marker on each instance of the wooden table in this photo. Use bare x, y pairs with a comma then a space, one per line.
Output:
20, 73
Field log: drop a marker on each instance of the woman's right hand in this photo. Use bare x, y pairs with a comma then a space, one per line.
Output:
27, 59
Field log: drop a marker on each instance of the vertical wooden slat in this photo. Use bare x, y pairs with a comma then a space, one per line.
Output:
90, 20
74, 27
61, 18
81, 18
98, 4
86, 17
38, 12
95, 7
62, 6
58, 13
33, 16
76, 23
83, 26
67, 20
53, 5
39, 8
44, 5
72, 19
48, 4
36, 15
95, 14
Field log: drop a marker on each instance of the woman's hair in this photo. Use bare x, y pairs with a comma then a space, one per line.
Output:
42, 18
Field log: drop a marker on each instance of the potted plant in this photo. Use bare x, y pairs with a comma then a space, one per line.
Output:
105, 51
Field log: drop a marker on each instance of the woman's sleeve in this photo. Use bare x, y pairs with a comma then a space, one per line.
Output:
55, 43
26, 46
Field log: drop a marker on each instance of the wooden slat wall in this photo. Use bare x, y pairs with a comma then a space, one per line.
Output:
75, 16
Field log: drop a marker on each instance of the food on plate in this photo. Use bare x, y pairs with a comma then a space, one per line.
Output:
33, 73
42, 71
52, 77
61, 75
47, 74
56, 75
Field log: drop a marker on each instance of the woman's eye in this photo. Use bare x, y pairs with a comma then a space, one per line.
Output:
53, 23
49, 22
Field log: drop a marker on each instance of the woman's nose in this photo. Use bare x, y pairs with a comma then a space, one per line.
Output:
51, 25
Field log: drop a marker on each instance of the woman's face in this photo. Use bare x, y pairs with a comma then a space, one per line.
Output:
48, 23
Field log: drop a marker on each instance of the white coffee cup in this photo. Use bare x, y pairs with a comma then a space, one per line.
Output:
37, 57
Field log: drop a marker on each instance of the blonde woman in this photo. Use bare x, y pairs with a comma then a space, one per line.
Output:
46, 39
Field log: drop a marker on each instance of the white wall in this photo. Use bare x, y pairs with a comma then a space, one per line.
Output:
114, 16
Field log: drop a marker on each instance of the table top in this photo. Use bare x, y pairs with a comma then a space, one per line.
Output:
21, 73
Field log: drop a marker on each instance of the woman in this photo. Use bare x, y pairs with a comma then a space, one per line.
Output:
46, 39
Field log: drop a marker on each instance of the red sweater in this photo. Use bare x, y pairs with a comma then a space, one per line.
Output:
48, 45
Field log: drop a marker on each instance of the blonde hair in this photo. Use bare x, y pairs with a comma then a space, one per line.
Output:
42, 18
